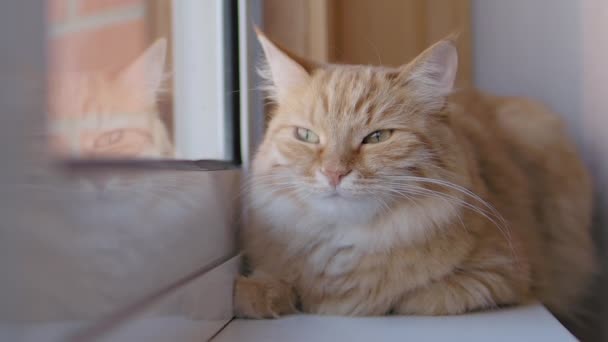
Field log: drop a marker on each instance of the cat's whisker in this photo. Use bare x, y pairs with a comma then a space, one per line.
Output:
378, 198
457, 188
447, 200
501, 224
463, 191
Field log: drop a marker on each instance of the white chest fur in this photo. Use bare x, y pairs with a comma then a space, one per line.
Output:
335, 242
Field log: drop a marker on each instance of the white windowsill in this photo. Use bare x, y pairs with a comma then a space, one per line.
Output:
531, 323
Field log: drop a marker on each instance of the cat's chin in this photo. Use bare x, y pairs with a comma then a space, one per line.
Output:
344, 206
340, 194
333, 195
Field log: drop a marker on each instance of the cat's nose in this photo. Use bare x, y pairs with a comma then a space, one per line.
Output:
335, 176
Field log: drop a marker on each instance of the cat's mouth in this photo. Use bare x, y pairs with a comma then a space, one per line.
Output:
331, 194
337, 193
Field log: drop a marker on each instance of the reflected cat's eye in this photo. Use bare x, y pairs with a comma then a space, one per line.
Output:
109, 138
378, 136
306, 135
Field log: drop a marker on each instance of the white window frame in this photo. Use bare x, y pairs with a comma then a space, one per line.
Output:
252, 119
202, 122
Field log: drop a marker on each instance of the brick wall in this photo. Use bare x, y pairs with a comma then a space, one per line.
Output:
94, 34
88, 35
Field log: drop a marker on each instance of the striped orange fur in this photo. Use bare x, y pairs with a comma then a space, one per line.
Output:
472, 202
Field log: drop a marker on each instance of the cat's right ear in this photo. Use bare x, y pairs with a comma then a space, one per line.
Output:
283, 70
147, 72
431, 75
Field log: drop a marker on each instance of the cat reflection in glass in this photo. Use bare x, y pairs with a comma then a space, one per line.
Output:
103, 114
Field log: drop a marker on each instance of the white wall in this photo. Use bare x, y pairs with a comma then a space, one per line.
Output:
555, 51
594, 120
530, 48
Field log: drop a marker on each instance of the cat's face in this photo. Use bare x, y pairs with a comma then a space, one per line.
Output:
111, 115
345, 138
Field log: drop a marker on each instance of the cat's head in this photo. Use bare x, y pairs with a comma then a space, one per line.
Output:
346, 140
111, 114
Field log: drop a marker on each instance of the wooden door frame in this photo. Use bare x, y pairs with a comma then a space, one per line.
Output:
315, 29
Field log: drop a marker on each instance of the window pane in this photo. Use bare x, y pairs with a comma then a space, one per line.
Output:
119, 90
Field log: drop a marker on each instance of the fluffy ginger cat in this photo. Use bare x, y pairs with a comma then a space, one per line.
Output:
103, 114
382, 190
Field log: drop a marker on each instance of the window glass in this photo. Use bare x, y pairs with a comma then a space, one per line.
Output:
141, 79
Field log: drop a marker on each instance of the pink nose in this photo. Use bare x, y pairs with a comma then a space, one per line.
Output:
335, 176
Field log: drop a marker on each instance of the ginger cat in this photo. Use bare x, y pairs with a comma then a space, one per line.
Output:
382, 190
111, 115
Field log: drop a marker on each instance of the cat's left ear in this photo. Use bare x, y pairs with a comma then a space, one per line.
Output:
147, 71
432, 74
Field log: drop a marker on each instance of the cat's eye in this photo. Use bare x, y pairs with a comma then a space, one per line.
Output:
378, 136
306, 135
117, 143
109, 138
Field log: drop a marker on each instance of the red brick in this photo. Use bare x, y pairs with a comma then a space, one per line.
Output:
112, 46
90, 7
57, 10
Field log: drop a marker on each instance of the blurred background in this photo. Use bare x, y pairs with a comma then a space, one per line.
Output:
84, 243
90, 41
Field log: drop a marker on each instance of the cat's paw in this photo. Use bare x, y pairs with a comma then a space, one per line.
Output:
257, 297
